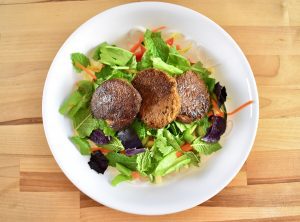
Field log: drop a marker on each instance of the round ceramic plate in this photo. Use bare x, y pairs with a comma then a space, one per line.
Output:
186, 189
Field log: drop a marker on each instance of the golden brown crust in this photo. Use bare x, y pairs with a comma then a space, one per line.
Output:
160, 98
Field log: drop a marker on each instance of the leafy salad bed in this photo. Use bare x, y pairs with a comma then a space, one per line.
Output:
139, 151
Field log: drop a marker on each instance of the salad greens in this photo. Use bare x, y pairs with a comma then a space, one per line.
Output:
161, 151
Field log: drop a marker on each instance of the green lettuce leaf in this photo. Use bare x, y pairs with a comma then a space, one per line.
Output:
205, 148
129, 162
81, 59
195, 159
119, 179
123, 170
171, 139
104, 73
171, 163
144, 162
97, 50
156, 45
84, 123
146, 61
140, 128
71, 103
204, 74
115, 56
107, 130
202, 126
115, 145
158, 63
81, 144
78, 99
110, 73
177, 60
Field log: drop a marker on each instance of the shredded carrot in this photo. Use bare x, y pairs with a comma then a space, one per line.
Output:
103, 150
217, 111
89, 72
178, 47
137, 44
186, 147
122, 151
158, 28
240, 107
139, 54
135, 175
170, 41
210, 113
178, 154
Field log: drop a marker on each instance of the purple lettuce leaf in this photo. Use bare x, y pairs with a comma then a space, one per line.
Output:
99, 138
98, 162
217, 128
221, 94
129, 138
134, 151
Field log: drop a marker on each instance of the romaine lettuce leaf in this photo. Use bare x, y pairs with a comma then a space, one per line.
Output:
123, 170
144, 162
84, 123
178, 60
156, 45
110, 73
81, 144
170, 163
71, 103
80, 98
81, 59
114, 145
97, 50
140, 128
129, 162
146, 61
103, 125
158, 63
119, 179
171, 139
205, 148
115, 56
195, 159
204, 74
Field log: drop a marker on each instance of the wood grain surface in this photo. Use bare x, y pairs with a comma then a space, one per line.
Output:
33, 188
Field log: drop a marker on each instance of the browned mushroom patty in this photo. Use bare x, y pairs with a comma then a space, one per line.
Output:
117, 102
161, 101
194, 96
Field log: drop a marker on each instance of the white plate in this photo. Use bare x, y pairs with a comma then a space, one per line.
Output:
185, 190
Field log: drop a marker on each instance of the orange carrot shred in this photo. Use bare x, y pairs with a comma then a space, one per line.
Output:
137, 44
210, 113
158, 28
178, 47
139, 54
186, 147
240, 107
178, 154
135, 175
217, 111
89, 72
170, 41
94, 149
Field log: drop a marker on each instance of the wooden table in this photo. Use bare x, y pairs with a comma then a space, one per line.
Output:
34, 189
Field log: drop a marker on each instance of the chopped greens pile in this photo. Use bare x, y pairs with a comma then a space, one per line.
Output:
139, 151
